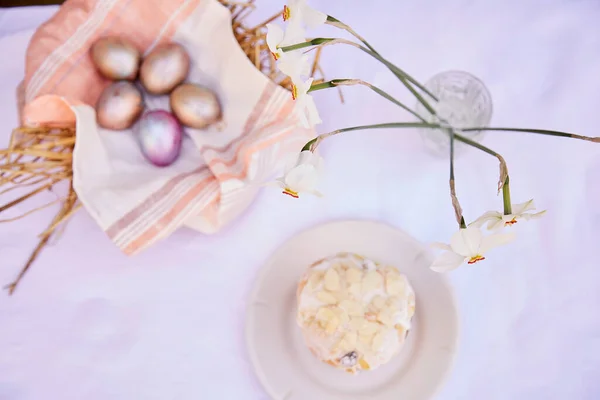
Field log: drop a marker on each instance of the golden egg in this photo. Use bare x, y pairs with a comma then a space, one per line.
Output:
164, 68
116, 58
119, 106
195, 106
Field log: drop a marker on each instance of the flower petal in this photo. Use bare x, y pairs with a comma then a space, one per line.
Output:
312, 18
318, 162
538, 215
290, 161
488, 217
309, 115
306, 157
441, 246
527, 216
295, 6
312, 112
447, 262
496, 240
303, 178
313, 159
497, 224
466, 242
304, 120
520, 208
303, 86
294, 34
278, 182
294, 64
275, 35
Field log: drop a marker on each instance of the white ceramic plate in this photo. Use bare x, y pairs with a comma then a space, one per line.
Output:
289, 371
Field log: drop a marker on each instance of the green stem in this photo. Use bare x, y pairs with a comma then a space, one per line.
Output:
458, 137
336, 82
320, 86
389, 125
400, 74
487, 150
309, 145
350, 82
451, 132
312, 144
314, 42
455, 203
395, 101
477, 145
537, 131
506, 197
337, 23
405, 79
428, 107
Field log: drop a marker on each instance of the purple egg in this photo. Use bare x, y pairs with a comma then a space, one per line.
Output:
160, 135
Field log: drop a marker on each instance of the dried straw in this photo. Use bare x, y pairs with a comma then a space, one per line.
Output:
40, 158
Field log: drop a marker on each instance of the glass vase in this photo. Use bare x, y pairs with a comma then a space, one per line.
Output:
464, 102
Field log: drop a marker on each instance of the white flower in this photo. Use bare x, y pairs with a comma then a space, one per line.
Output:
467, 245
309, 115
302, 176
294, 64
496, 220
298, 12
277, 37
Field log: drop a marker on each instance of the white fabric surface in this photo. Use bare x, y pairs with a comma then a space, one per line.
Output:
88, 322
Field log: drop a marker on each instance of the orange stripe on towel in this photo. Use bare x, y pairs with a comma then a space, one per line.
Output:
158, 227
129, 218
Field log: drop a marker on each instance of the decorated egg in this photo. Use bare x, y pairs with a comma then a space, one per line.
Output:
195, 106
116, 58
119, 106
160, 135
164, 68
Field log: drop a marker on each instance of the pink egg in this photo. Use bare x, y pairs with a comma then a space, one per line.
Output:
160, 136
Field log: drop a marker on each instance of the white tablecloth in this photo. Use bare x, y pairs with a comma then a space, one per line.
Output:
90, 323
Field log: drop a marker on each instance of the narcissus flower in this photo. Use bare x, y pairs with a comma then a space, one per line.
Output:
277, 38
468, 245
309, 114
300, 13
497, 220
302, 176
294, 64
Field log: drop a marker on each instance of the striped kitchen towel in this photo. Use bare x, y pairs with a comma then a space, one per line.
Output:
217, 175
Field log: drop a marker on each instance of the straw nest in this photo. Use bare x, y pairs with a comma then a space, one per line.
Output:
38, 159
